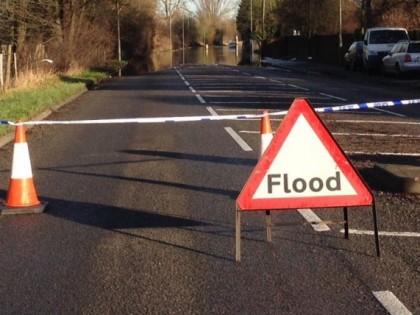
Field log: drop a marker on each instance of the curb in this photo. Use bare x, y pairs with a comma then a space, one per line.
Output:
11, 135
399, 178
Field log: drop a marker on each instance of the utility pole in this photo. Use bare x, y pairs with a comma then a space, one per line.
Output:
250, 34
263, 20
183, 39
250, 23
119, 36
340, 44
340, 34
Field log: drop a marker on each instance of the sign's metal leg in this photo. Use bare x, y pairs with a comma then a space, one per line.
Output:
269, 225
375, 224
346, 223
238, 235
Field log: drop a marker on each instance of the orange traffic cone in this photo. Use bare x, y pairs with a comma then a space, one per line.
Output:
21, 197
266, 132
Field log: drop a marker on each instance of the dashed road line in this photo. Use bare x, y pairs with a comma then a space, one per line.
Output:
241, 142
389, 112
314, 220
212, 111
334, 97
298, 87
200, 99
391, 303
383, 233
276, 81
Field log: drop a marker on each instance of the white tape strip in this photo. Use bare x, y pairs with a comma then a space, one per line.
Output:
203, 118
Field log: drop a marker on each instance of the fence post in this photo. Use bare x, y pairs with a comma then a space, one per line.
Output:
8, 66
16, 68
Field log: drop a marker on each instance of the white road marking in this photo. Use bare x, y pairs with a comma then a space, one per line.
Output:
212, 111
192, 89
298, 87
385, 153
277, 81
354, 134
238, 139
201, 100
391, 303
332, 96
314, 220
389, 112
375, 135
376, 122
383, 233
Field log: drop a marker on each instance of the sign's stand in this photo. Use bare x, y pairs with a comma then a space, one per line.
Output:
238, 234
269, 226
269, 230
375, 227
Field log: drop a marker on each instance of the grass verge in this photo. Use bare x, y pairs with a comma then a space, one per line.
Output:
25, 103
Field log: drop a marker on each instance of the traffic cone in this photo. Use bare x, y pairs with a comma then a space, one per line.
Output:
266, 132
21, 197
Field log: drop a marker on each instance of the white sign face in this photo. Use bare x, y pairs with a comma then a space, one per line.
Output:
303, 167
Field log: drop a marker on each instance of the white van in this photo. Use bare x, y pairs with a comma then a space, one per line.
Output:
377, 44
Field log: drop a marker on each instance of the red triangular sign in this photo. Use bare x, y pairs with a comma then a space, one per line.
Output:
303, 167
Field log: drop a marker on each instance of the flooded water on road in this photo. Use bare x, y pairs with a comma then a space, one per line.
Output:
197, 56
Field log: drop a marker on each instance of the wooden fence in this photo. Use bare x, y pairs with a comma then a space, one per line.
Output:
9, 71
8, 67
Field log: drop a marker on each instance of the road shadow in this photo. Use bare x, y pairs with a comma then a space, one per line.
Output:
89, 83
124, 221
194, 157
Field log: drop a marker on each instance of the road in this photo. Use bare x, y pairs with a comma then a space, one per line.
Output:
141, 217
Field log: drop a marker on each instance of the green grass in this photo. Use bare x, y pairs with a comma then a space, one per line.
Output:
24, 104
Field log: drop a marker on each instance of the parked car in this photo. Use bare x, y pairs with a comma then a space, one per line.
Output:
378, 41
403, 58
353, 58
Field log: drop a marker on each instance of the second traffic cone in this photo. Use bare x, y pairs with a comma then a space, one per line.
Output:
266, 132
21, 197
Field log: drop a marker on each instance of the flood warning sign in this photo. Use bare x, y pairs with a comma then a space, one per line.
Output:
303, 167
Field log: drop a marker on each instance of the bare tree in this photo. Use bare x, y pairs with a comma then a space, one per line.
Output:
211, 14
169, 9
404, 13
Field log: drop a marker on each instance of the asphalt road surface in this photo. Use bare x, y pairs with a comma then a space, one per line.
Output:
141, 217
